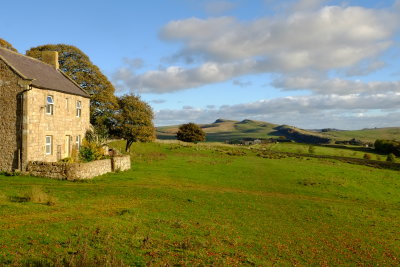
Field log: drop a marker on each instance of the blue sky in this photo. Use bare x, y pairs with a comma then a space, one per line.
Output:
307, 63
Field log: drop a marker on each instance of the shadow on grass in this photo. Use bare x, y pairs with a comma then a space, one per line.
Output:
19, 199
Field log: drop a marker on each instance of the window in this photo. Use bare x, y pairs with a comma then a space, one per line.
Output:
78, 108
78, 142
49, 105
49, 144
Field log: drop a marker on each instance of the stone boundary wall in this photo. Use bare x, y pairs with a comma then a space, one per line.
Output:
122, 163
78, 171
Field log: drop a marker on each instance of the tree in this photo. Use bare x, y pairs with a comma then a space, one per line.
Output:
391, 158
387, 146
78, 66
134, 120
5, 44
190, 132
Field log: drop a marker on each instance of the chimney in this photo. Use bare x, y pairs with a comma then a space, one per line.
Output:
51, 58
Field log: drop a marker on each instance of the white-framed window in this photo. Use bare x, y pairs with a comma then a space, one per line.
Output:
78, 108
78, 142
49, 144
49, 105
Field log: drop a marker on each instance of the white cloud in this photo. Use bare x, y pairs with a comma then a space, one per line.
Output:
329, 38
335, 86
306, 5
397, 4
364, 68
218, 7
330, 34
176, 78
241, 83
135, 63
158, 101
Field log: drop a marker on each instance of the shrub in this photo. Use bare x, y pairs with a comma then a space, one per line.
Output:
387, 146
191, 132
90, 152
92, 145
391, 157
98, 136
367, 156
311, 149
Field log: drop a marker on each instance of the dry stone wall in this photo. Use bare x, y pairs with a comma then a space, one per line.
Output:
121, 163
78, 171
54, 170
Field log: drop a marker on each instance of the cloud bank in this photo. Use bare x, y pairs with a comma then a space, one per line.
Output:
301, 47
330, 38
345, 112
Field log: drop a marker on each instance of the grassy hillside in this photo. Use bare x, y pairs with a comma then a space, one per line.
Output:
224, 130
368, 135
205, 205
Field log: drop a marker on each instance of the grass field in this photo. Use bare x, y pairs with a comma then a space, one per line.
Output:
205, 205
369, 135
331, 150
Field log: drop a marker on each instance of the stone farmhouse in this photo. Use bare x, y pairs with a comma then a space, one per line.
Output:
43, 114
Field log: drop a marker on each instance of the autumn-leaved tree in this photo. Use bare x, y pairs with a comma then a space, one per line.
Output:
78, 66
134, 120
190, 132
5, 44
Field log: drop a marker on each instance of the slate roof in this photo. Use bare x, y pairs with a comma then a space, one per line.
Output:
43, 76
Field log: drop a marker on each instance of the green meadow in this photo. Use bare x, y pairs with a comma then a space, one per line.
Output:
324, 150
205, 204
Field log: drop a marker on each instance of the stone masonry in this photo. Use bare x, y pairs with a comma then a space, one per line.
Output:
10, 122
78, 171
63, 125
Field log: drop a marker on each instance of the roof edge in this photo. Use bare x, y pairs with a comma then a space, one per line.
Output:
60, 91
22, 55
84, 93
14, 69
70, 79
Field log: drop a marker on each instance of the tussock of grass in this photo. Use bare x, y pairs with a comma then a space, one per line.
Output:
35, 195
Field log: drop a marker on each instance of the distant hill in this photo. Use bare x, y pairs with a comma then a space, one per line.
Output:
228, 130
366, 135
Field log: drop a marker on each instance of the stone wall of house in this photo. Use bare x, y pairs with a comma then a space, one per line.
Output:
78, 171
64, 126
121, 163
10, 118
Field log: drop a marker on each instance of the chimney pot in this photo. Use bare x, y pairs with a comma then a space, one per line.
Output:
51, 58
